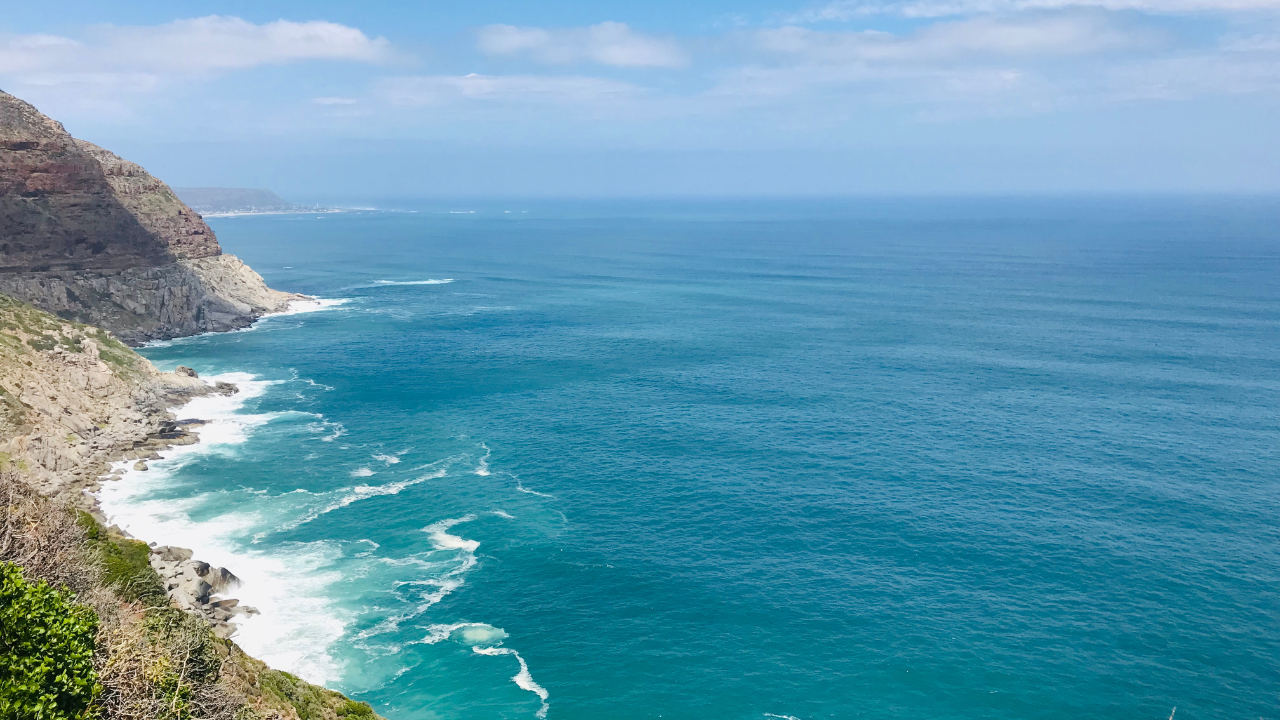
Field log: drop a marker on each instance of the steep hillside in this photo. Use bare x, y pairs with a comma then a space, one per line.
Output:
95, 238
73, 398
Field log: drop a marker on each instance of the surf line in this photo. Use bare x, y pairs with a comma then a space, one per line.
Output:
487, 640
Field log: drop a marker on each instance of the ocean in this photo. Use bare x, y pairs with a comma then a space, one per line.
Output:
798, 459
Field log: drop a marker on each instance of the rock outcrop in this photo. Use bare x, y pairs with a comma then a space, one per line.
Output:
94, 238
73, 398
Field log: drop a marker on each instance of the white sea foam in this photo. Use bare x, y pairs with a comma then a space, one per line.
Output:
299, 307
522, 679
783, 717
346, 496
388, 459
290, 588
504, 515
431, 281
523, 489
361, 472
442, 540
487, 640
482, 467
435, 588
295, 307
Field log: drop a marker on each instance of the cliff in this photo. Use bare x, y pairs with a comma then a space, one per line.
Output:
96, 239
73, 398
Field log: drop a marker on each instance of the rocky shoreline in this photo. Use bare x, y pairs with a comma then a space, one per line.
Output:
192, 585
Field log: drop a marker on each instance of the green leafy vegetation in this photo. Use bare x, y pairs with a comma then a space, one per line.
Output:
126, 564
310, 701
46, 650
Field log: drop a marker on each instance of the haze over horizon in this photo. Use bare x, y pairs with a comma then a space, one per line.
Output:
787, 97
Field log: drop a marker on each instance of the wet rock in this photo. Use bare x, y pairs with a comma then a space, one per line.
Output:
140, 465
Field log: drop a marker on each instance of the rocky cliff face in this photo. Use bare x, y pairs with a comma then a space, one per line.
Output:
72, 398
95, 238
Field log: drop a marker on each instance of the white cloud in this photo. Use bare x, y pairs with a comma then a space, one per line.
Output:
141, 57
842, 10
609, 43
977, 38
441, 89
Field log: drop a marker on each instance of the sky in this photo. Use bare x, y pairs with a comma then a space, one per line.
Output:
326, 100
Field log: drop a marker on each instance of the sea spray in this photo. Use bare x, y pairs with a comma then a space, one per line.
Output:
288, 586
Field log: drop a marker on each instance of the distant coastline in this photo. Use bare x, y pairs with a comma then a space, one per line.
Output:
242, 213
232, 202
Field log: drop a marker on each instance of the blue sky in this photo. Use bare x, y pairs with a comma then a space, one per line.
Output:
324, 100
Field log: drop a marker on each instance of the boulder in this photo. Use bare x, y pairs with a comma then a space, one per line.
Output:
169, 553
184, 370
140, 465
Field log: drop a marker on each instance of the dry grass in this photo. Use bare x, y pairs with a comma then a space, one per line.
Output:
44, 537
154, 663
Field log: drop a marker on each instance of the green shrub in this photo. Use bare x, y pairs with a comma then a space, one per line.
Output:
356, 709
126, 564
46, 651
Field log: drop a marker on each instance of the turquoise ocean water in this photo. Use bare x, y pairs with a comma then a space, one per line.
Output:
737, 460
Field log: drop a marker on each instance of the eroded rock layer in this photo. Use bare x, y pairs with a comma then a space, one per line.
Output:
96, 239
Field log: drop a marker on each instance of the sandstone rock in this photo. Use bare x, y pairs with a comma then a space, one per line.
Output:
172, 554
87, 235
184, 370
194, 588
222, 579
140, 465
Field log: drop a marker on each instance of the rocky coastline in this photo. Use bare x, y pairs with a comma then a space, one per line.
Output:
76, 408
96, 256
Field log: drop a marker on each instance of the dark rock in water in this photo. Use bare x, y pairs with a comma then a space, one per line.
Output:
184, 370
226, 388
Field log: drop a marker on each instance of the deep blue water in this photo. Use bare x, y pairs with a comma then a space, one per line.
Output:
817, 459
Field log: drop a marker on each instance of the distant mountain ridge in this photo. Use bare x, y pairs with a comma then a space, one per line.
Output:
94, 238
215, 200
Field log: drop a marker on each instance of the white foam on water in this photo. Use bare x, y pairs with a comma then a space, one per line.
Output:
362, 472
504, 515
361, 492
288, 586
522, 679
433, 281
442, 540
388, 459
299, 307
486, 639
523, 489
436, 587
783, 717
295, 307
482, 467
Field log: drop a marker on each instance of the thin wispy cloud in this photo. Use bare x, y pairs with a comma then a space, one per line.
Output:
608, 43
442, 89
844, 10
